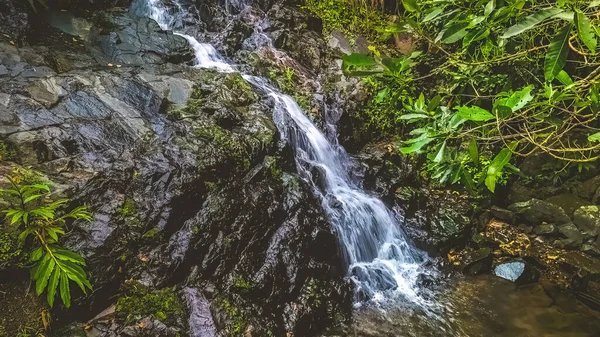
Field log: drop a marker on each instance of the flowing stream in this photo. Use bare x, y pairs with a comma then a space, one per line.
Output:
380, 259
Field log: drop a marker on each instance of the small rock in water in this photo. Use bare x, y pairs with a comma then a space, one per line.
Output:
520, 272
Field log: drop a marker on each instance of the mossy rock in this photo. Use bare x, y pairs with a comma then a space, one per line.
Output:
139, 301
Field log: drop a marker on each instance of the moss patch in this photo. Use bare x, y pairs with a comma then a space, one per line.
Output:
138, 301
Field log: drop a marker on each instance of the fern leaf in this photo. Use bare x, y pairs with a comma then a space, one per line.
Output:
65, 292
53, 286
42, 281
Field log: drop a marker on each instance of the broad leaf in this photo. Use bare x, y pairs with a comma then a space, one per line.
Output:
433, 14
358, 60
594, 3
416, 146
474, 113
474, 151
489, 8
556, 56
518, 99
564, 78
475, 35
440, 155
455, 32
594, 137
496, 168
42, 280
585, 32
410, 5
530, 21
413, 116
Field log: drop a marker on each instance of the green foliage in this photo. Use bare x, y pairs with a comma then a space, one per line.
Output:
6, 152
504, 78
138, 302
38, 217
351, 17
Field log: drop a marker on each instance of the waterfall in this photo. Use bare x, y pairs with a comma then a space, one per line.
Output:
380, 259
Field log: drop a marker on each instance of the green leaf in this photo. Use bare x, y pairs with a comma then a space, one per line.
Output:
564, 78
489, 8
474, 151
502, 111
416, 146
556, 56
358, 60
65, 292
42, 281
413, 116
584, 31
475, 35
518, 99
53, 286
433, 14
530, 21
594, 137
594, 3
36, 254
455, 32
410, 5
440, 155
496, 167
381, 95
67, 255
474, 113
31, 198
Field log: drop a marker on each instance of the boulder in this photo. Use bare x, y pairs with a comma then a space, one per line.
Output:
572, 238
544, 229
536, 211
587, 219
478, 261
517, 271
568, 202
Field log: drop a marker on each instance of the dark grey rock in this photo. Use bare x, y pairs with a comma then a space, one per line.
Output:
536, 211
503, 214
479, 261
545, 229
587, 219
572, 237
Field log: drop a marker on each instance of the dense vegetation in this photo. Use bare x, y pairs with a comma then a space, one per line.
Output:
492, 80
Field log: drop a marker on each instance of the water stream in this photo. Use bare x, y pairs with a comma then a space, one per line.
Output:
381, 261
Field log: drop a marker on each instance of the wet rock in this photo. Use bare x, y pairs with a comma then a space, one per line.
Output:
503, 214
479, 261
129, 40
568, 202
592, 249
13, 19
544, 229
517, 271
572, 237
536, 211
587, 219
578, 263
587, 290
589, 189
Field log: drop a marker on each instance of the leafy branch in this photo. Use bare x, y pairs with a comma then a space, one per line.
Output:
54, 267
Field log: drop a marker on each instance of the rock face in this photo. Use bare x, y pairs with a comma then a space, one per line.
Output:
587, 219
536, 211
185, 175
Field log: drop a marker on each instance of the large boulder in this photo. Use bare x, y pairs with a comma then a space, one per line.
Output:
537, 211
587, 219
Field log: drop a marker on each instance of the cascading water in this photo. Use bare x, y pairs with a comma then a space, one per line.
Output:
380, 259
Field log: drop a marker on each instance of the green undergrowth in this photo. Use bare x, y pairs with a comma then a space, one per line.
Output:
138, 301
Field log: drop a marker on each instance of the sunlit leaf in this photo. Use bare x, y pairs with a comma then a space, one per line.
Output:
455, 32
564, 78
585, 32
474, 113
530, 21
489, 7
594, 137
433, 14
410, 5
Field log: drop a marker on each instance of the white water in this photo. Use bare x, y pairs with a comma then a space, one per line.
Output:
380, 259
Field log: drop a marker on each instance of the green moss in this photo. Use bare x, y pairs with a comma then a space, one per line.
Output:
303, 101
151, 234
138, 302
275, 169
10, 251
350, 18
6, 152
128, 208
241, 284
237, 324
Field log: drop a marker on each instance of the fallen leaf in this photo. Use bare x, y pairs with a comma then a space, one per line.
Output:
12, 42
110, 64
